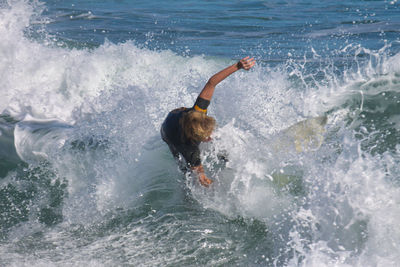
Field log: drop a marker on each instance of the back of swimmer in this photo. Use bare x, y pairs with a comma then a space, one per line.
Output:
185, 128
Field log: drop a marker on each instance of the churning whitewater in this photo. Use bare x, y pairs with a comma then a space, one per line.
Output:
85, 178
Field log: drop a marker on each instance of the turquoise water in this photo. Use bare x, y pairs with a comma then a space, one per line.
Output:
85, 178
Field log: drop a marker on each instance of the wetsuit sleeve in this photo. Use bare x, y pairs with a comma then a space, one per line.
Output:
201, 104
192, 155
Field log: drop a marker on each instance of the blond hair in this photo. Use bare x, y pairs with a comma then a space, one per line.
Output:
197, 126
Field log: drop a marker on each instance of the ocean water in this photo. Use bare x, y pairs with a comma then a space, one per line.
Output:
85, 179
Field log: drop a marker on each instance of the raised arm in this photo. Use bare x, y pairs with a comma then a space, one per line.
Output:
208, 90
204, 100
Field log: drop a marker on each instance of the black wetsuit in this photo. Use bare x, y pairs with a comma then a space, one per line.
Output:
172, 133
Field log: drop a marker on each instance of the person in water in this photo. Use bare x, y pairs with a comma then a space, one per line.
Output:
185, 128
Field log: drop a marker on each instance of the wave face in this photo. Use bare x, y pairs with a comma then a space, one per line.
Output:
86, 179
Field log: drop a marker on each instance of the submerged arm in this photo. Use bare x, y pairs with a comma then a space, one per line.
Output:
203, 179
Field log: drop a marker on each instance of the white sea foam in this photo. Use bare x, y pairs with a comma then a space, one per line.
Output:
95, 115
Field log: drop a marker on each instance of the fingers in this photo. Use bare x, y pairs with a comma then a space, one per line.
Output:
204, 181
247, 62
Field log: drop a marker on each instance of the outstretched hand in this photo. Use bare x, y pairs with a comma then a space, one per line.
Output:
246, 63
204, 180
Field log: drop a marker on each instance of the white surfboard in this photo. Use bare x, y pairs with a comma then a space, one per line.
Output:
304, 136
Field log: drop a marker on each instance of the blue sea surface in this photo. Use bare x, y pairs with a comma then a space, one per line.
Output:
272, 30
85, 179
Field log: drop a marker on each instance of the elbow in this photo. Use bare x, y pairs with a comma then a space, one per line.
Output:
212, 82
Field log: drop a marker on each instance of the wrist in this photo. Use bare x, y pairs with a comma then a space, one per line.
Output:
239, 65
